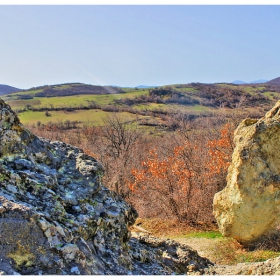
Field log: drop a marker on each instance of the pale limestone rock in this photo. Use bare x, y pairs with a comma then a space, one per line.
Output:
249, 205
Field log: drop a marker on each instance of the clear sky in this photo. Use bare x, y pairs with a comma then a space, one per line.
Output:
133, 45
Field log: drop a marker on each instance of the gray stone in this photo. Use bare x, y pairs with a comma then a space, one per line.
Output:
75, 270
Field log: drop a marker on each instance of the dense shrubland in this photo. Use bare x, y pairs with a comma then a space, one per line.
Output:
180, 179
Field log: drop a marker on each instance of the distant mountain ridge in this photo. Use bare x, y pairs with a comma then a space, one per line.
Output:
239, 82
5, 89
140, 86
144, 86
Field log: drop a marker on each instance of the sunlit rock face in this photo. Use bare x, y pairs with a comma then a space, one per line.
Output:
248, 207
56, 217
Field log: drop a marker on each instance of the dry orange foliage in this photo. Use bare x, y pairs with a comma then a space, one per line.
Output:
181, 181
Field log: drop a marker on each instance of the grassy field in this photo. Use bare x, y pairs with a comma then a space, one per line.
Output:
196, 109
184, 88
70, 101
271, 94
92, 117
27, 92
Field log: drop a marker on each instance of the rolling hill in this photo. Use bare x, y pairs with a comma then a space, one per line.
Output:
90, 103
5, 89
71, 89
275, 81
238, 82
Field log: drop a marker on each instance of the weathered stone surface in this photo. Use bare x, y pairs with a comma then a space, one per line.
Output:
269, 267
148, 252
56, 217
248, 207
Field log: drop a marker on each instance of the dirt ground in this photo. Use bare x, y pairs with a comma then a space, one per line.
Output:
204, 246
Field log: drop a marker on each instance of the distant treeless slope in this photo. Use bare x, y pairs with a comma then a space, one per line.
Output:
4, 89
275, 81
70, 89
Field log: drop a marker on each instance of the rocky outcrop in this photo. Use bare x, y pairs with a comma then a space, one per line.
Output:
248, 207
56, 217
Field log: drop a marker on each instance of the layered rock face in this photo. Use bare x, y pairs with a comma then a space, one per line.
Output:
57, 218
248, 207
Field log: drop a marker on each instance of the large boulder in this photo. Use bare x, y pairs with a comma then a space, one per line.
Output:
56, 217
248, 207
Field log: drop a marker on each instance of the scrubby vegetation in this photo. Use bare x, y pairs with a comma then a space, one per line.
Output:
174, 176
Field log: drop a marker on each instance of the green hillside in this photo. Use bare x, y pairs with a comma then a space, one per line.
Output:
89, 103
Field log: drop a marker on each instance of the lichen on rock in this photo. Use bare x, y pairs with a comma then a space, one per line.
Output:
56, 217
248, 207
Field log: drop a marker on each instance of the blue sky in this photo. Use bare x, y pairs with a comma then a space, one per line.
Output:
133, 45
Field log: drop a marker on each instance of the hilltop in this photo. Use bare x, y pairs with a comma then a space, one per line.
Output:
5, 89
260, 81
70, 89
275, 81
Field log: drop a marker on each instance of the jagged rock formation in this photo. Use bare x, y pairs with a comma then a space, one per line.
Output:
248, 207
56, 217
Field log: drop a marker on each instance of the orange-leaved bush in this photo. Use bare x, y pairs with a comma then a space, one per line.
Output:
182, 184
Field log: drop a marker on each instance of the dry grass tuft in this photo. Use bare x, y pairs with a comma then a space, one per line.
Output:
269, 242
230, 252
